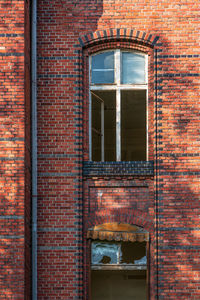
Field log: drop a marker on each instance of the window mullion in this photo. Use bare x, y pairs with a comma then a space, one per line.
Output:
90, 126
118, 105
102, 131
117, 67
118, 125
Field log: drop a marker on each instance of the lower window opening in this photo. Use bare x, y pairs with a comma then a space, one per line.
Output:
119, 285
118, 270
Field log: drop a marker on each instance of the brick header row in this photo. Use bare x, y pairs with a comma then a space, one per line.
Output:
118, 34
122, 168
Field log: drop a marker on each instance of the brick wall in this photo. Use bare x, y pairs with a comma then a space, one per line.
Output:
162, 195
14, 150
68, 31
27, 166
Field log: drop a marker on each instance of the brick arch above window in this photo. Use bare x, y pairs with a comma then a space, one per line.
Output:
118, 232
134, 218
118, 34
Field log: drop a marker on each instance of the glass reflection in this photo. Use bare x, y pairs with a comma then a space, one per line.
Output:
105, 253
103, 68
133, 68
120, 253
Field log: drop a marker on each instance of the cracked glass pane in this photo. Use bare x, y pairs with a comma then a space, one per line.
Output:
133, 253
105, 253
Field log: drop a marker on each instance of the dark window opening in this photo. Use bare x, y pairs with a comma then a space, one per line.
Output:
118, 270
133, 125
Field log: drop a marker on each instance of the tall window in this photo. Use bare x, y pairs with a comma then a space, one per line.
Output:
118, 105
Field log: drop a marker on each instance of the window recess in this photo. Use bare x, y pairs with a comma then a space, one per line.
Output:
119, 262
117, 106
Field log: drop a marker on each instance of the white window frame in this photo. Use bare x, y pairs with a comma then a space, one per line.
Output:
118, 87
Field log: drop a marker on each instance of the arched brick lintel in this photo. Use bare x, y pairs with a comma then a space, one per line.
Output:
129, 218
135, 36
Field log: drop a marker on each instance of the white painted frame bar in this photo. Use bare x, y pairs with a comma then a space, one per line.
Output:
117, 66
117, 86
102, 131
118, 125
118, 104
147, 108
90, 113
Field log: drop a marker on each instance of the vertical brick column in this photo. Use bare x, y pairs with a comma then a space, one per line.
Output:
14, 150
59, 155
178, 172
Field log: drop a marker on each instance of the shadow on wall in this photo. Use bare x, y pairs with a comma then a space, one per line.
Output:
71, 16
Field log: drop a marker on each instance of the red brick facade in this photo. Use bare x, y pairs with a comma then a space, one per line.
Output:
161, 195
15, 147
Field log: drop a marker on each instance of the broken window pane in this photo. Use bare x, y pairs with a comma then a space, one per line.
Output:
133, 253
119, 253
108, 98
133, 68
109, 282
105, 253
103, 68
96, 129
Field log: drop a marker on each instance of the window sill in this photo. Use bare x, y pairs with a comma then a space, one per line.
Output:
121, 168
118, 267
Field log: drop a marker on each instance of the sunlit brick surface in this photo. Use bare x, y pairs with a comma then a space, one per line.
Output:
14, 150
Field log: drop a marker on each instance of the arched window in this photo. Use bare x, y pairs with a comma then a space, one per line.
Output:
118, 105
118, 262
